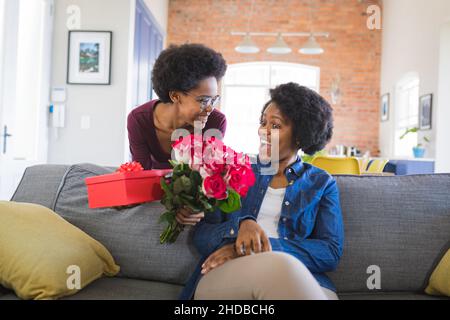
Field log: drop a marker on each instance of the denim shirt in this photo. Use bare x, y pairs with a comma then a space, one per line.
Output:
310, 226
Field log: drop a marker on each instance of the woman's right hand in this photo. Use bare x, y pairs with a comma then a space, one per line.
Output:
186, 216
251, 237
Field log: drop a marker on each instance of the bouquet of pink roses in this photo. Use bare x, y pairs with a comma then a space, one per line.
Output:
206, 175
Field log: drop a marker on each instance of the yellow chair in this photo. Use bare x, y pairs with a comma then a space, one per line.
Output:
336, 166
363, 163
377, 166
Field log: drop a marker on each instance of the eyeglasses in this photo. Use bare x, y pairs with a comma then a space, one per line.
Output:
205, 101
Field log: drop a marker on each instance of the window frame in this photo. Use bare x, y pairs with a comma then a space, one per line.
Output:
271, 65
405, 88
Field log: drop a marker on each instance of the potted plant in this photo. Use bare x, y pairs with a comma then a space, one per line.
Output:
419, 149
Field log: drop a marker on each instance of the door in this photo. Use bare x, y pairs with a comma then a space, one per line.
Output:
148, 42
25, 56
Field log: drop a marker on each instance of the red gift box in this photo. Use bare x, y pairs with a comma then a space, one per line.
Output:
124, 188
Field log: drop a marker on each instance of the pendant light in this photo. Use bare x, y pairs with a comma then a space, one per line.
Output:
247, 45
279, 47
311, 47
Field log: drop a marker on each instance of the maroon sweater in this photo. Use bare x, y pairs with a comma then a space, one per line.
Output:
144, 144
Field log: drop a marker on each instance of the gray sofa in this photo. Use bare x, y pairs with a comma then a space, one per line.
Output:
400, 224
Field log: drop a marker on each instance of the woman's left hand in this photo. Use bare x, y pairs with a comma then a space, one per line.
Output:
219, 257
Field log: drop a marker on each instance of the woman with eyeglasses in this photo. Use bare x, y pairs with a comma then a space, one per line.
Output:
185, 78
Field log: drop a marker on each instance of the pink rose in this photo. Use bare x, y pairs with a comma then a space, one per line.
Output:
213, 151
240, 178
181, 149
214, 168
215, 187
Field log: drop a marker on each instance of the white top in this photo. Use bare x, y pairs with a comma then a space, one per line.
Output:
270, 212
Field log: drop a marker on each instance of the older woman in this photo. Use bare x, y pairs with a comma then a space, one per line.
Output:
185, 78
289, 231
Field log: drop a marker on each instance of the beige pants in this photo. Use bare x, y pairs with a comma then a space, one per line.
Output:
263, 276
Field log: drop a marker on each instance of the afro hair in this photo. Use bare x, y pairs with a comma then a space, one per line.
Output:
311, 115
181, 68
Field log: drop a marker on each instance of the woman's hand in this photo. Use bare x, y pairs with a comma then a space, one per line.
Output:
186, 216
251, 237
219, 257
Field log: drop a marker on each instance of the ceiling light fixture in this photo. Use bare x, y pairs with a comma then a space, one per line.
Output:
311, 47
279, 47
247, 45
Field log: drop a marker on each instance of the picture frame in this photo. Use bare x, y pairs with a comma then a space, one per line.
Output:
385, 107
425, 111
89, 57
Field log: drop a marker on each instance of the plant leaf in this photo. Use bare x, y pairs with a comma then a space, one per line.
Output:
186, 184
232, 203
177, 202
173, 163
196, 179
168, 216
165, 187
178, 186
167, 203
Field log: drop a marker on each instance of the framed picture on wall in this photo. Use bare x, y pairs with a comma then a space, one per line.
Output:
425, 111
89, 57
384, 106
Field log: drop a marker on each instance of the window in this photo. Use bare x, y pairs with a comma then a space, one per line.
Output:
245, 89
407, 114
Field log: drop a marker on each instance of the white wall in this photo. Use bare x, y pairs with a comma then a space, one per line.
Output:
106, 105
411, 43
443, 119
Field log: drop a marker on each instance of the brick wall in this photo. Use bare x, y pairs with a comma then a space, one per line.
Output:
352, 52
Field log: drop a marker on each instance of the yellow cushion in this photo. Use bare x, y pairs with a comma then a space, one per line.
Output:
439, 283
41, 254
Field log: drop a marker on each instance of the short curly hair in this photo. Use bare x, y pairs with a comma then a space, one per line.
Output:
311, 115
181, 68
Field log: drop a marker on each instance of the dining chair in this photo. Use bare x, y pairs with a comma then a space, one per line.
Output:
363, 163
377, 165
336, 166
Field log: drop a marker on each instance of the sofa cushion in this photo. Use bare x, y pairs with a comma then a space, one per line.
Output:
127, 289
37, 247
39, 184
399, 223
121, 289
131, 235
439, 284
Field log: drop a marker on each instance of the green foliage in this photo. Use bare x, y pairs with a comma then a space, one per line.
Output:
415, 130
185, 190
411, 130
309, 158
232, 203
